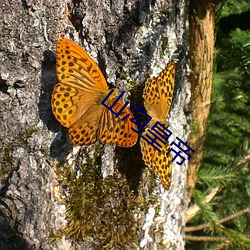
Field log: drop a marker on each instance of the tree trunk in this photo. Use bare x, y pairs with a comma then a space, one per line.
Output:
54, 196
201, 40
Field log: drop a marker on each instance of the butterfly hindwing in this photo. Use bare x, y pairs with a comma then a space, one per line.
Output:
114, 130
83, 134
159, 161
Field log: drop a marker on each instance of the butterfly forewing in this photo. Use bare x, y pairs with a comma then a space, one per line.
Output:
70, 104
76, 69
158, 92
63, 106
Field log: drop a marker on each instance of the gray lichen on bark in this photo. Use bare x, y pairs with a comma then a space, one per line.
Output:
131, 38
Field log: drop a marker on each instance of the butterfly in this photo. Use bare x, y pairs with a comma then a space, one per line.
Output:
77, 100
157, 95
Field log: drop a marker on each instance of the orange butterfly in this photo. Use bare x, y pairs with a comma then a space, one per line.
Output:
77, 100
157, 94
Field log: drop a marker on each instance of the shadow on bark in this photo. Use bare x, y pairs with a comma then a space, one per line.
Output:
61, 145
9, 239
131, 163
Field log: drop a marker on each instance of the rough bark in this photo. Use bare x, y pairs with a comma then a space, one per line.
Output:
123, 36
201, 41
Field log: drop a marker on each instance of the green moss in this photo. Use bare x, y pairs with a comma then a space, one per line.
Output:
164, 10
104, 211
28, 133
164, 45
131, 84
195, 129
5, 161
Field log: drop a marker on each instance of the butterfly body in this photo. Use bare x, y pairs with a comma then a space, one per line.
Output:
158, 93
77, 100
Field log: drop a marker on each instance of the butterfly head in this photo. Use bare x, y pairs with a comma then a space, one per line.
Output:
155, 119
110, 96
115, 93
